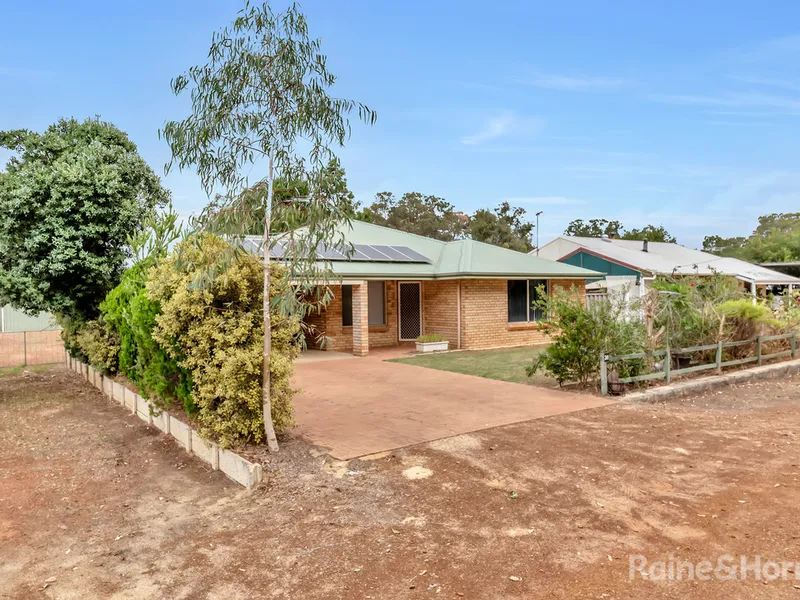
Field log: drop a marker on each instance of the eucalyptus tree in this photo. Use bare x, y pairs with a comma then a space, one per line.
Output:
261, 109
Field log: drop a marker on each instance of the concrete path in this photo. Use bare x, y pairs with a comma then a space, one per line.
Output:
366, 405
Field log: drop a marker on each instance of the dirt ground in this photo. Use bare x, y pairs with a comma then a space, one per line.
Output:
94, 504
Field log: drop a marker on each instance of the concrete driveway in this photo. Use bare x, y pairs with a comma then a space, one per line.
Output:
359, 406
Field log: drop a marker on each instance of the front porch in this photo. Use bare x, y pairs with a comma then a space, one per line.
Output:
368, 314
471, 314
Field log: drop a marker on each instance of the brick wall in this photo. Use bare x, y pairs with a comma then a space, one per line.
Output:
484, 314
340, 338
440, 309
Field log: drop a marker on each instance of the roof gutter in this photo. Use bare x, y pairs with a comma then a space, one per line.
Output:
766, 281
412, 277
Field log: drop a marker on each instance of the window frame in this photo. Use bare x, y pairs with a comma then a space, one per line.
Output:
385, 321
385, 305
350, 287
529, 308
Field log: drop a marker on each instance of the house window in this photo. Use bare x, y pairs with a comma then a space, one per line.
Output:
522, 293
517, 300
377, 303
536, 289
347, 305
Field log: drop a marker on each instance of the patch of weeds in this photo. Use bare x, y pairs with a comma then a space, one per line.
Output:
8, 371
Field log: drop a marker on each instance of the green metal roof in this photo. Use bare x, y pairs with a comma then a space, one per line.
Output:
449, 260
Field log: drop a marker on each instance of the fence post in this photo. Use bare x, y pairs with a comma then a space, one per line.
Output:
758, 350
667, 364
719, 357
24, 348
794, 346
603, 375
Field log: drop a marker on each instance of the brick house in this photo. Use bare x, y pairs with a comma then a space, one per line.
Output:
396, 286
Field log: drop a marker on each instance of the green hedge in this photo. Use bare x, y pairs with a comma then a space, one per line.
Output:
189, 329
129, 311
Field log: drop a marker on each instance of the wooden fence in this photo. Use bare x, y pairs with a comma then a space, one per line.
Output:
668, 372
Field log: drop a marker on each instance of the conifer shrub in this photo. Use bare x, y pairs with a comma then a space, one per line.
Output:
131, 314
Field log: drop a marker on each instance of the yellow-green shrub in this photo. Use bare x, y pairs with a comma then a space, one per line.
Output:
99, 345
211, 324
746, 320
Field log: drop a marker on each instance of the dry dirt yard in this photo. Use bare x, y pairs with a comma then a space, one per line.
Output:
94, 504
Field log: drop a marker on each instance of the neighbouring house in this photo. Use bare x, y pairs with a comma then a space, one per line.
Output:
396, 286
636, 262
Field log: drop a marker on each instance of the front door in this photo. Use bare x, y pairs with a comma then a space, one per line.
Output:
410, 310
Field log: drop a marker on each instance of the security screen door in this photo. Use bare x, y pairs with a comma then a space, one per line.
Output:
410, 310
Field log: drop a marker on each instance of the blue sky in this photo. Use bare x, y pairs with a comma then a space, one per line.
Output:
684, 114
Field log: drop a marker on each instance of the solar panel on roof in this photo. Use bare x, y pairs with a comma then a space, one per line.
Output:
329, 253
412, 254
392, 253
357, 252
277, 250
370, 252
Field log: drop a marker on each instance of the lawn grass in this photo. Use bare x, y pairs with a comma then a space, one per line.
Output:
506, 364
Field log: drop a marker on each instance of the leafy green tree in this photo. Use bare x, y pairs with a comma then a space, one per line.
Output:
731, 247
594, 228
262, 97
649, 233
776, 239
771, 224
290, 198
68, 201
779, 247
505, 227
414, 212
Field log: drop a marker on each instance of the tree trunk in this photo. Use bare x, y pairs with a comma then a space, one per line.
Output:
269, 428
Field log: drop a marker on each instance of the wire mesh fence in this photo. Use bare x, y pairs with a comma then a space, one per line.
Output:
25, 348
